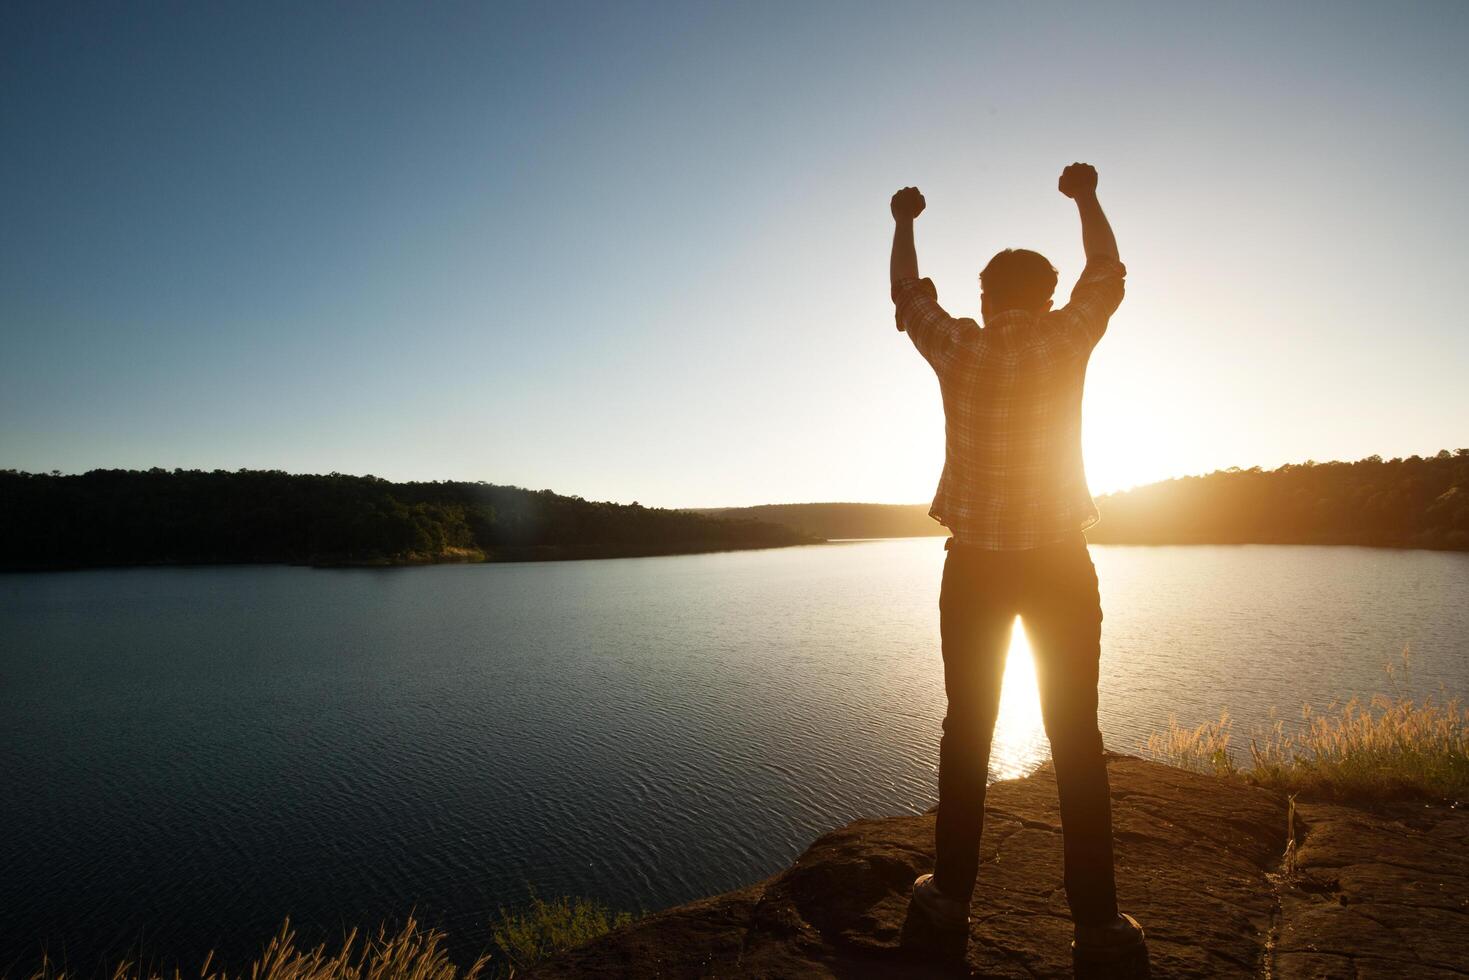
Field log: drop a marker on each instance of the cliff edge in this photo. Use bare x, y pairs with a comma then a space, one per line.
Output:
1203, 863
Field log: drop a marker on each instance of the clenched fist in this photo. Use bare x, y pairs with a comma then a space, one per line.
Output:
907, 204
1078, 180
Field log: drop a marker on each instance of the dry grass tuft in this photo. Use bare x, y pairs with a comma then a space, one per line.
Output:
522, 938
411, 953
1385, 749
1203, 749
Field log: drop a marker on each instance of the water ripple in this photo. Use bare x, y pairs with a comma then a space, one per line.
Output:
193, 754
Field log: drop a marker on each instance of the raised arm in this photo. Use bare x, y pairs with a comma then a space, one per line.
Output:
1099, 291
939, 337
1079, 182
906, 205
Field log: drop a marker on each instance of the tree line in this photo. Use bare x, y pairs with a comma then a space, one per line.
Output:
157, 516
1417, 502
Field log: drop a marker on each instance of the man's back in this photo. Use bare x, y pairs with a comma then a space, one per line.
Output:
1013, 474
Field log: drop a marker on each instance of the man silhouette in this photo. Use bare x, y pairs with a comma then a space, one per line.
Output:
1014, 495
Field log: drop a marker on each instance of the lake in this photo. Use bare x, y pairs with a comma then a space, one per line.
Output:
189, 755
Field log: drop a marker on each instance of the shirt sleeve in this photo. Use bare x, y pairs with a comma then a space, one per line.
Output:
1094, 299
938, 336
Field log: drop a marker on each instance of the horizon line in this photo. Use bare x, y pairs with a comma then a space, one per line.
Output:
725, 507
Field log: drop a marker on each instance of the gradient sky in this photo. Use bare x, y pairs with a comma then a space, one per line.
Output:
640, 251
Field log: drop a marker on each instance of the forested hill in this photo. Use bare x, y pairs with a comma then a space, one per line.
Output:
1399, 503
842, 520
1405, 503
132, 517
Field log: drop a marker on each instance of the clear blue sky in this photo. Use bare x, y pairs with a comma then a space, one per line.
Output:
639, 251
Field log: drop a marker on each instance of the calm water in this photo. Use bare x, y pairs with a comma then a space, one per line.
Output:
189, 755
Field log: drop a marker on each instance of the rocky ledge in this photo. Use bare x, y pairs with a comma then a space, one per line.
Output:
1203, 863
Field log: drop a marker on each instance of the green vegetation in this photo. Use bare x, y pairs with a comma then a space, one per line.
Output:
522, 938
1401, 503
133, 517
1383, 750
525, 937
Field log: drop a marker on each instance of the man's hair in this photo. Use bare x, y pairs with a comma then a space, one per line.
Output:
1018, 279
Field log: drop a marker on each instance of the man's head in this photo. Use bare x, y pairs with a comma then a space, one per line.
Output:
1016, 279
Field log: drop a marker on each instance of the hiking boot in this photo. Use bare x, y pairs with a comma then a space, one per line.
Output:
1109, 942
940, 910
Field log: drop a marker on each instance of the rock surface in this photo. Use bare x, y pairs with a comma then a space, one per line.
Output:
1199, 864
1376, 895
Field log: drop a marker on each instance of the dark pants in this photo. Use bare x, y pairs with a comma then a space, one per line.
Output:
1054, 591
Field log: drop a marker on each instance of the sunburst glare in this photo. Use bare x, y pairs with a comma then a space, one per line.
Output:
1020, 738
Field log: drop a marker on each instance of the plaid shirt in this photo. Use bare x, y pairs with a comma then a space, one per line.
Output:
1013, 477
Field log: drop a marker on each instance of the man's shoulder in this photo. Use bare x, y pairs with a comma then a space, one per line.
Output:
1060, 322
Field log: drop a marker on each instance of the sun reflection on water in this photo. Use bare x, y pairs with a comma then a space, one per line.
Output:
1020, 739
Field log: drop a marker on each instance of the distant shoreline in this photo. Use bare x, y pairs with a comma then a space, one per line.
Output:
1414, 503
506, 556
545, 555
126, 518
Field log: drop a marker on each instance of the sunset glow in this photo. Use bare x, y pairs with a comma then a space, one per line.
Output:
630, 262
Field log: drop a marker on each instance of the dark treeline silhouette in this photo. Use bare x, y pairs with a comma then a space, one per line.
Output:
1398, 503
134, 517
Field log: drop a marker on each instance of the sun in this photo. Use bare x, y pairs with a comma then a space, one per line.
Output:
1118, 460
1127, 441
